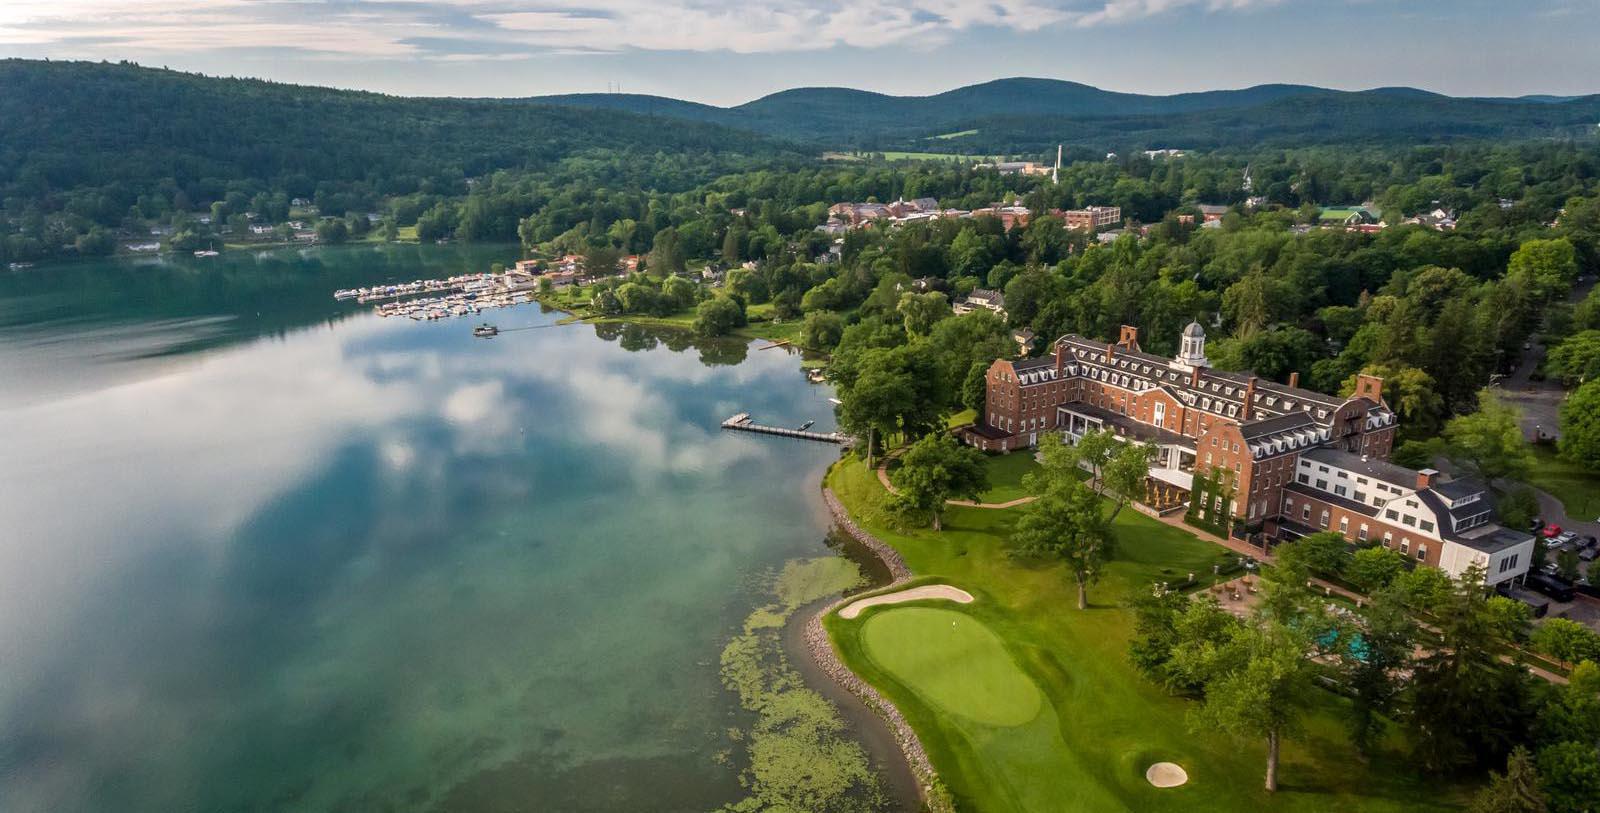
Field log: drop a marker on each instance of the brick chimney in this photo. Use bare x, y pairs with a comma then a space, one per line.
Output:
1129, 338
1249, 399
1294, 379
1425, 479
1059, 360
1194, 377
1369, 387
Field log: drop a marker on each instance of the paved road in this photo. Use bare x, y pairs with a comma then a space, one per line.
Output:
1540, 401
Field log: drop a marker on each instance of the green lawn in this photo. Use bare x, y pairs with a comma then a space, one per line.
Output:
1005, 475
1101, 724
900, 155
1576, 487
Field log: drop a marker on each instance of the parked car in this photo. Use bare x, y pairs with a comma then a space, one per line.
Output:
1535, 525
1589, 554
1553, 586
1537, 603
1567, 538
1551, 531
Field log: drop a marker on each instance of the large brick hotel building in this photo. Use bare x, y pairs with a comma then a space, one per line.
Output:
1296, 461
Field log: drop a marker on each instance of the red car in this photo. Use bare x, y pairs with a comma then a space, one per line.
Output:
1551, 531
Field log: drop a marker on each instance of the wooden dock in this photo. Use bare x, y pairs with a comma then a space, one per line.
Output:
744, 422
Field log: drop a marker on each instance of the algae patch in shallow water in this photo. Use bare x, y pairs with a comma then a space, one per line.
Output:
800, 755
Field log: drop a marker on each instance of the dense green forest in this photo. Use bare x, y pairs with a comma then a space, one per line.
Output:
1033, 115
88, 149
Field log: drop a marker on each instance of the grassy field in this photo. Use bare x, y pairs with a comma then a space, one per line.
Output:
897, 155
1005, 476
1576, 487
1100, 724
962, 134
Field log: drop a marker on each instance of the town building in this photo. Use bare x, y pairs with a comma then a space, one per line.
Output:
1016, 167
981, 298
1292, 461
1091, 218
1211, 211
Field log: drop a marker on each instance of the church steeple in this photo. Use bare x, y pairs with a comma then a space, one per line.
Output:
1192, 349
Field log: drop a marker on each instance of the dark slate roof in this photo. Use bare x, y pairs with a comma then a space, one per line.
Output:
1129, 427
1274, 425
1330, 498
1457, 489
1372, 467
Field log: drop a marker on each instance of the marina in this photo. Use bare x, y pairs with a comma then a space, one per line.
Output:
461, 295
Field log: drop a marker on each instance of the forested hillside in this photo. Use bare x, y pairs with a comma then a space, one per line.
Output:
102, 141
1021, 115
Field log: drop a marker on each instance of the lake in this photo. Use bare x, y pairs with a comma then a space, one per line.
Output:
260, 550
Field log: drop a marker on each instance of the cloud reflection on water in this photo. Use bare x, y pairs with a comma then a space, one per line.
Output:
168, 518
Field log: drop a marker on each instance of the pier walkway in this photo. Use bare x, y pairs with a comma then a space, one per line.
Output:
743, 421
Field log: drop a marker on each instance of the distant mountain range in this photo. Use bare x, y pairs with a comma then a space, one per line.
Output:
1010, 115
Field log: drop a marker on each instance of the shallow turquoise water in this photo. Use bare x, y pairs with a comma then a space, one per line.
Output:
264, 551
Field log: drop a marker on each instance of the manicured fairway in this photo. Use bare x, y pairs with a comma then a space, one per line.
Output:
1100, 725
953, 662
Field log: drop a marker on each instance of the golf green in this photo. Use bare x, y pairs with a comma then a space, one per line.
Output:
953, 662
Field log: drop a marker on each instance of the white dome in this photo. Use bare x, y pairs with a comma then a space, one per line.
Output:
1194, 329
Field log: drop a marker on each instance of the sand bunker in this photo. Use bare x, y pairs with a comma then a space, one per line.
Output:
943, 591
1166, 775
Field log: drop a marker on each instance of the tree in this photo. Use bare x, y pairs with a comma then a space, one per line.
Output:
822, 330
1489, 442
666, 253
1257, 682
870, 405
1323, 553
921, 311
1576, 359
1569, 774
1580, 426
1518, 508
1065, 522
1567, 640
1372, 671
1374, 568
718, 316
1118, 467
1163, 620
1515, 791
1550, 267
1468, 708
936, 468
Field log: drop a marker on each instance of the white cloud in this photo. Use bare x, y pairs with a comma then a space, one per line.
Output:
499, 29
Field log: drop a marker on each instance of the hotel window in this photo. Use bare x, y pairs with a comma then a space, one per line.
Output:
1392, 514
1362, 534
1427, 526
1344, 525
1388, 539
1422, 552
1304, 478
1361, 496
1322, 485
1409, 520
1324, 519
1405, 544
1361, 480
1305, 511
1340, 490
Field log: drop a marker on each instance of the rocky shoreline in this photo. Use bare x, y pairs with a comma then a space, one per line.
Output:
821, 649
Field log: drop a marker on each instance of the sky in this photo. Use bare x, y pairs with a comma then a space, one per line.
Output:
730, 51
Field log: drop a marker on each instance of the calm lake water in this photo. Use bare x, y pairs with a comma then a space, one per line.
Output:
264, 551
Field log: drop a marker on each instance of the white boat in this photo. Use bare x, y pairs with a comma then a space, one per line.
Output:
206, 253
